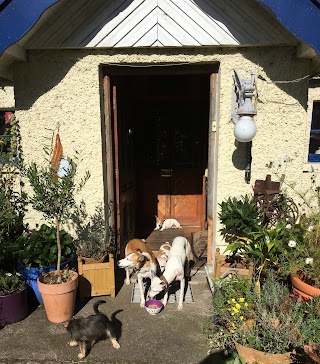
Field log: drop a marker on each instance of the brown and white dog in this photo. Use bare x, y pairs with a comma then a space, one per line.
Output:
163, 255
164, 224
139, 258
177, 269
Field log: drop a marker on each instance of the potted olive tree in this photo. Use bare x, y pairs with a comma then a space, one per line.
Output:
54, 188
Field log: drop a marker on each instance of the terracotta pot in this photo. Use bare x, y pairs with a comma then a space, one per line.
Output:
13, 307
31, 275
59, 299
304, 289
250, 355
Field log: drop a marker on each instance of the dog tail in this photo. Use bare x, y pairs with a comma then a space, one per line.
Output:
96, 306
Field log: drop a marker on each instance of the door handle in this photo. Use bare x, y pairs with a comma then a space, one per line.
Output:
166, 172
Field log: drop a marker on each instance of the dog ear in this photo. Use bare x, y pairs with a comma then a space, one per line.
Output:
142, 258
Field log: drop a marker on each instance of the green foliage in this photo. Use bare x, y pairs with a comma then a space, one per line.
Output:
299, 253
311, 328
12, 199
38, 247
11, 283
94, 238
239, 215
270, 322
53, 196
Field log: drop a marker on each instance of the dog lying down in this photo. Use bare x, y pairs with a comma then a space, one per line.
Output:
86, 331
162, 224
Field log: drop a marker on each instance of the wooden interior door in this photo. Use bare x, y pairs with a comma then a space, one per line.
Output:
171, 160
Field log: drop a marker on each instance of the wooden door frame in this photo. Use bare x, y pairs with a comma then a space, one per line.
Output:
210, 200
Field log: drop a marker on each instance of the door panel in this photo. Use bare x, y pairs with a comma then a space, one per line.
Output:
171, 163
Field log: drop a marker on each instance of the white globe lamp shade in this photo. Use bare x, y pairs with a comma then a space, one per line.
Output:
245, 129
64, 168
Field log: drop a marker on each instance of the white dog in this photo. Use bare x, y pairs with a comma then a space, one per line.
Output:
162, 224
139, 258
163, 255
176, 269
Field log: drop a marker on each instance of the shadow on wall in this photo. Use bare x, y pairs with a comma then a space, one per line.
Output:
51, 66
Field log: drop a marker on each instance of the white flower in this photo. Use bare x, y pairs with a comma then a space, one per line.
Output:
267, 239
8, 274
292, 244
288, 226
18, 274
309, 261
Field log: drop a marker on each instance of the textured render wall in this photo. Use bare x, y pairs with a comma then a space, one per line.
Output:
6, 96
63, 87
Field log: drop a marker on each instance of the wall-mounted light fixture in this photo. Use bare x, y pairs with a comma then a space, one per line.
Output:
242, 108
242, 116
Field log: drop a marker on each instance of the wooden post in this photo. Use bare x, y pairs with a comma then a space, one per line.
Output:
217, 270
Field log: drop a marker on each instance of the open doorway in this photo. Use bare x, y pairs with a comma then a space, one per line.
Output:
160, 129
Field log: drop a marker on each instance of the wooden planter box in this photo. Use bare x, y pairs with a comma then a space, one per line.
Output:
221, 267
96, 279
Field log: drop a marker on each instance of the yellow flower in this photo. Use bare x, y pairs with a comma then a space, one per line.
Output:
241, 299
235, 310
241, 318
238, 306
233, 300
246, 304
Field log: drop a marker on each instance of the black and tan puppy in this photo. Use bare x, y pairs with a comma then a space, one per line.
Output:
86, 331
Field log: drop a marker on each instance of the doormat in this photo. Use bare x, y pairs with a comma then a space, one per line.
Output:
174, 293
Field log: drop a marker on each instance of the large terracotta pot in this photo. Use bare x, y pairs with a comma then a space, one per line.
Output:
13, 307
304, 289
31, 275
250, 355
59, 299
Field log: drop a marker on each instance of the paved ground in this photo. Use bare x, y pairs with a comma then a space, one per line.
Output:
171, 337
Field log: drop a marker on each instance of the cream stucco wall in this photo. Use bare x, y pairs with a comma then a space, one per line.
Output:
6, 96
61, 87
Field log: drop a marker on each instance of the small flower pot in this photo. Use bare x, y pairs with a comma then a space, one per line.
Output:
59, 299
302, 288
13, 307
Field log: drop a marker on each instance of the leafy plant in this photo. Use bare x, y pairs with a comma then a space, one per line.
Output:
239, 216
12, 198
94, 238
38, 247
271, 322
301, 253
11, 283
54, 195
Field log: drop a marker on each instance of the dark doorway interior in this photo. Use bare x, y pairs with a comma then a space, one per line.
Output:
162, 129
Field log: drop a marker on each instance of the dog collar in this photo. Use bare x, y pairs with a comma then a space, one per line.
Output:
163, 278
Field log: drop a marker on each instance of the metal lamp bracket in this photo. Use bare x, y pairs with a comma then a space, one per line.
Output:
242, 97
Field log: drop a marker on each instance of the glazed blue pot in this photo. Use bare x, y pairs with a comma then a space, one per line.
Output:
13, 307
31, 275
